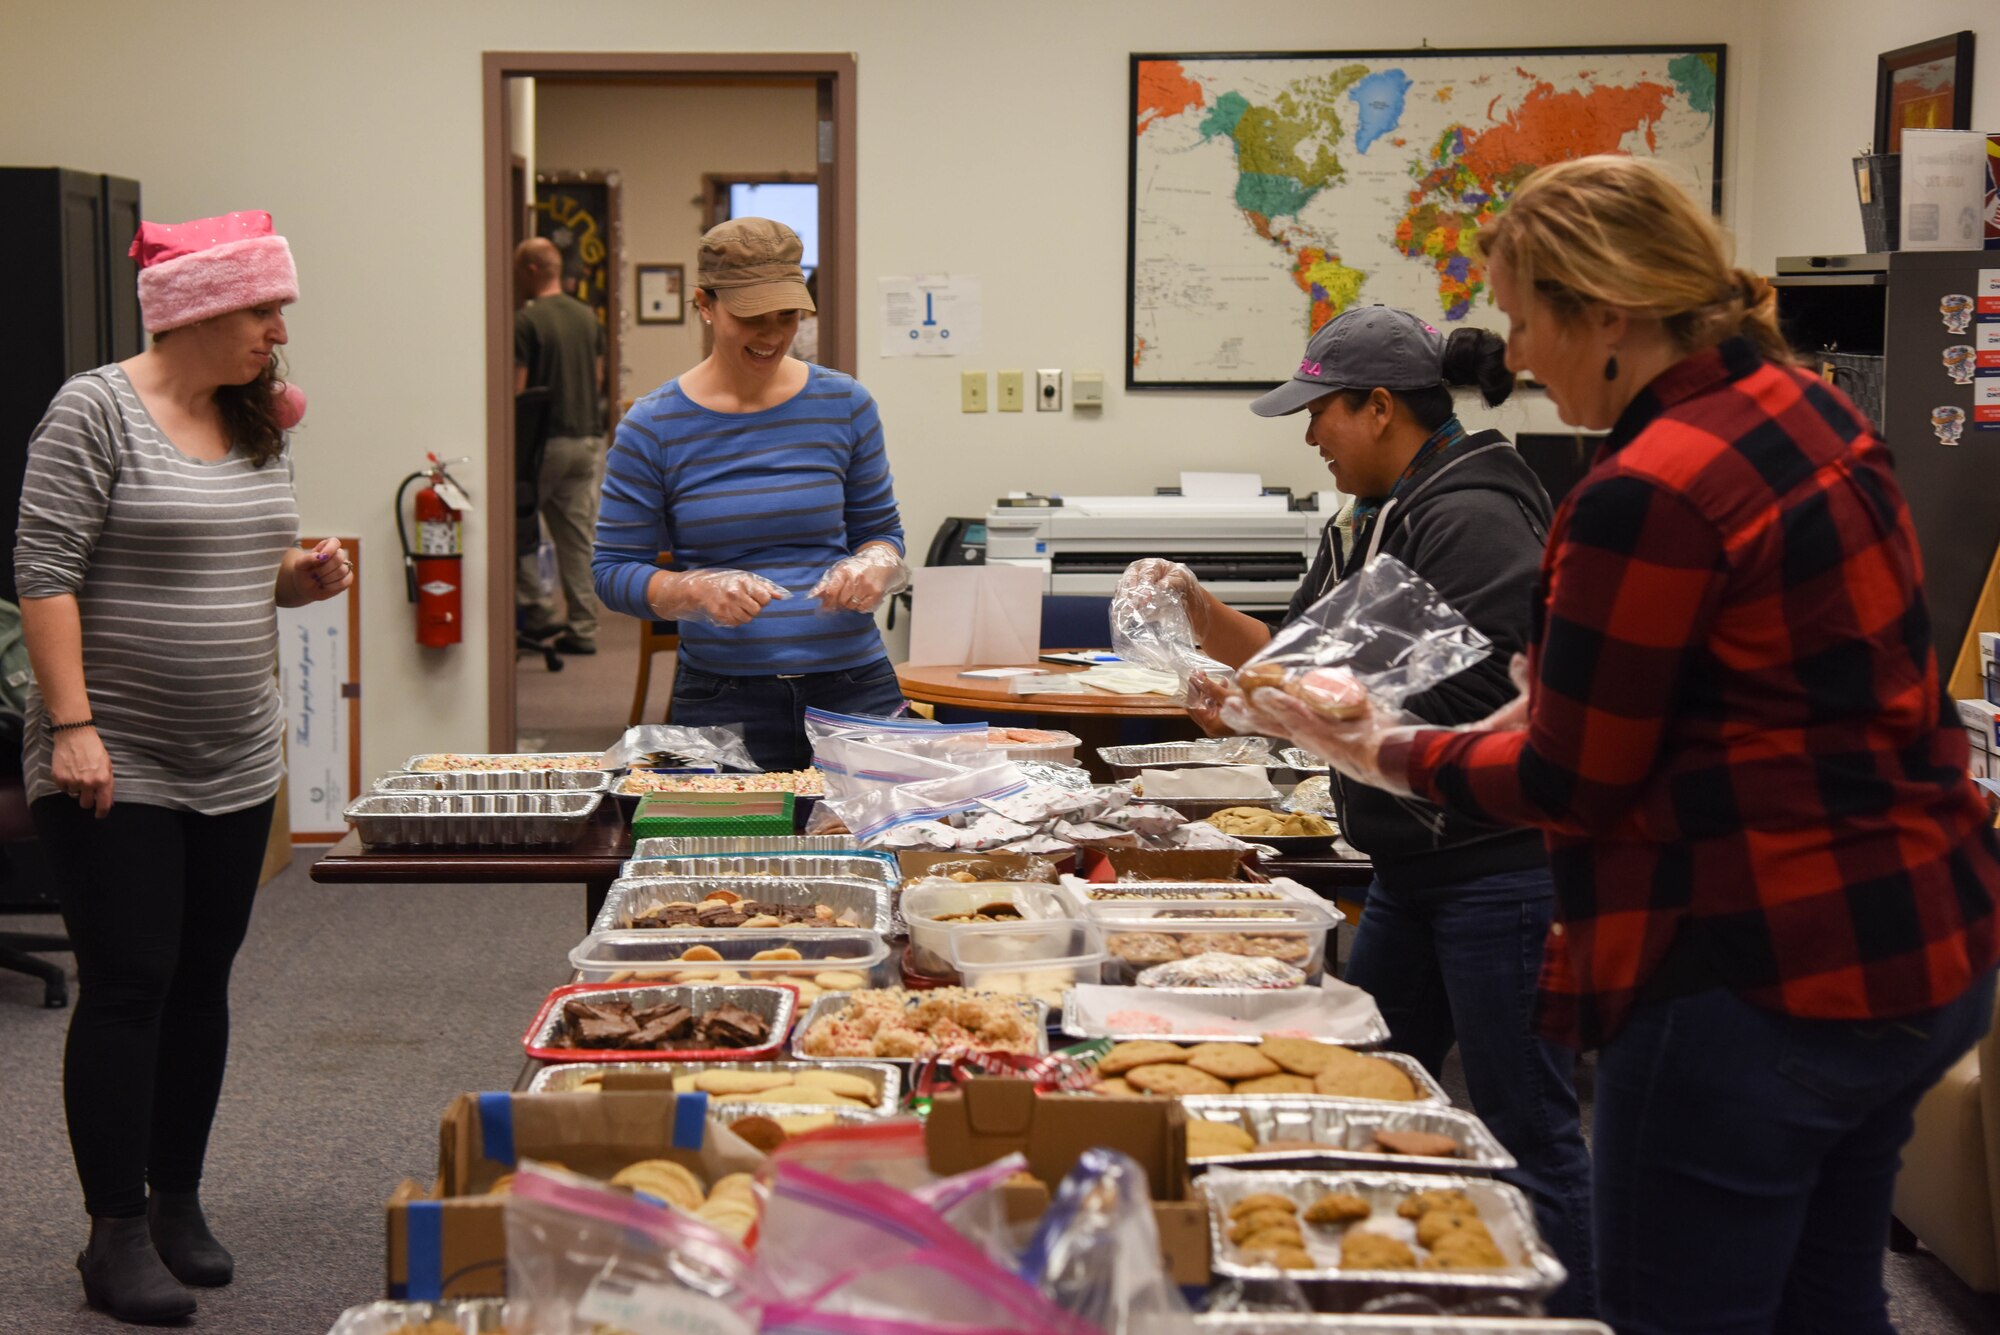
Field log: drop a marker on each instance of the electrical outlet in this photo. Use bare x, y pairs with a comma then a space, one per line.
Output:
1011, 391
972, 391
1048, 391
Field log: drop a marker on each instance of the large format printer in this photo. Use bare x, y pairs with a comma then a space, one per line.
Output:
1250, 552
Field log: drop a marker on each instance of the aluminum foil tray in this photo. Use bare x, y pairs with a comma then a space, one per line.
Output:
463, 1316
1305, 762
453, 761
1429, 1092
1535, 1272
472, 820
867, 904
1033, 1009
497, 781
1341, 1323
565, 1077
810, 866
1127, 761
775, 1005
712, 845
653, 955
1347, 1125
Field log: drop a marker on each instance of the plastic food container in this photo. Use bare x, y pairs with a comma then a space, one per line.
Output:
774, 1005
497, 781
1345, 1128
569, 1077
1138, 936
1534, 1271
926, 904
1108, 897
869, 866
1059, 750
856, 902
472, 820
654, 956
1034, 959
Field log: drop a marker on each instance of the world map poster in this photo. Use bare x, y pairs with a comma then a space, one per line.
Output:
1269, 193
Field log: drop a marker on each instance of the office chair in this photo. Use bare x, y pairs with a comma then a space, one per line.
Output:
25, 883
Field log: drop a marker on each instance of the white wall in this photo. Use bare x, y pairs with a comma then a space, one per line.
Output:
1815, 109
660, 139
992, 142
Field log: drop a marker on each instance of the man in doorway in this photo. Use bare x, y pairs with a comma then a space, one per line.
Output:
558, 343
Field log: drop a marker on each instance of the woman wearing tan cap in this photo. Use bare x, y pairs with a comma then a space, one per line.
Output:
767, 479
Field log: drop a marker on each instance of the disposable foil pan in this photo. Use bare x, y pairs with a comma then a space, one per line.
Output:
867, 866
1359, 1323
709, 845
1346, 1127
774, 1005
565, 1077
453, 761
463, 1316
1534, 1272
1033, 1009
1429, 1092
497, 781
472, 820
1127, 761
862, 902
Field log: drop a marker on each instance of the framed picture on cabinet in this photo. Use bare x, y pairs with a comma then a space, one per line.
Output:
1927, 86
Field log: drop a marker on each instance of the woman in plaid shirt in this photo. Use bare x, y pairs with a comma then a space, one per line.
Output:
1775, 878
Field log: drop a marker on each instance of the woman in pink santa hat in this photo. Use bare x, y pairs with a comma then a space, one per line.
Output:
158, 537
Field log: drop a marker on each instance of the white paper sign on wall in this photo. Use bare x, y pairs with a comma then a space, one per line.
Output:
930, 315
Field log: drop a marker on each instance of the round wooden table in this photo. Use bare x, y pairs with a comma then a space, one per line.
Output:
1097, 718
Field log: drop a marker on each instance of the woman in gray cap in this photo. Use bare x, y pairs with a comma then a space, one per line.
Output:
1452, 931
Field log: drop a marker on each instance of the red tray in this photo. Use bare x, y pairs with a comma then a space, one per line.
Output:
788, 1012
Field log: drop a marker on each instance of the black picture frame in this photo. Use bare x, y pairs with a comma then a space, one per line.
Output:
1956, 48
659, 293
1716, 52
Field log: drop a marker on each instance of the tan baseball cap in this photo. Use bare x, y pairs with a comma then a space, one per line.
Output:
752, 266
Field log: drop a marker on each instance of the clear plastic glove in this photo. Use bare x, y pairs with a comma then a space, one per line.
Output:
860, 582
711, 597
1354, 746
1154, 612
1206, 694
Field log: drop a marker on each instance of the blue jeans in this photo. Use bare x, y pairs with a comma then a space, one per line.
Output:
772, 710
1458, 964
1745, 1161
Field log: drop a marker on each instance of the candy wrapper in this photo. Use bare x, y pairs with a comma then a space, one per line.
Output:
1092, 835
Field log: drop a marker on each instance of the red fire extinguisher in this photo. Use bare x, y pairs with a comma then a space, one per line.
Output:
431, 573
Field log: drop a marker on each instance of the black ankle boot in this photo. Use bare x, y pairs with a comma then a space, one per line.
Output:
180, 1231
124, 1276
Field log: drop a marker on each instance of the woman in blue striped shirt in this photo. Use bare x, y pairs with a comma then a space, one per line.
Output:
767, 479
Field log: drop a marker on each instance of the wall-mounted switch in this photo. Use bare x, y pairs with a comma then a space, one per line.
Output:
1048, 391
972, 391
1011, 392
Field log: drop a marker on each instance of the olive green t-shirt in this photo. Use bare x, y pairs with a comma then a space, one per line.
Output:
559, 340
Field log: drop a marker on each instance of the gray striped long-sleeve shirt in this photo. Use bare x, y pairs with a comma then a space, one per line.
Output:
174, 565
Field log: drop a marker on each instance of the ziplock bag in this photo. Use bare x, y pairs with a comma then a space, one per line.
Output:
1097, 1251
1379, 638
881, 808
582, 1256
1150, 624
923, 1293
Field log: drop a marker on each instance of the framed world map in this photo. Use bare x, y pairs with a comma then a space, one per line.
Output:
1268, 193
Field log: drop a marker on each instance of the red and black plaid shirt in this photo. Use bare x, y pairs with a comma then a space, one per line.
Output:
1737, 725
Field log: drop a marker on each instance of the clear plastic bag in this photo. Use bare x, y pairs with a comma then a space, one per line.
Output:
1151, 626
1379, 638
880, 809
723, 746
1097, 1251
582, 1256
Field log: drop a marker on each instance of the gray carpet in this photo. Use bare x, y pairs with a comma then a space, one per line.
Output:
360, 1011
585, 706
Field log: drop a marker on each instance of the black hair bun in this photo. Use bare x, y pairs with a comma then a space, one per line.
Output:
1478, 357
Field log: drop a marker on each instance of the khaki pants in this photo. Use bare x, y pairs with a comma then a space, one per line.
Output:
572, 469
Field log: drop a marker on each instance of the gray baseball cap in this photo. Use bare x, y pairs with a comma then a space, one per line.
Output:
1362, 348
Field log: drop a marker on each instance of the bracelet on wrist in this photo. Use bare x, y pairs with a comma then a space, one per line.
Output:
69, 727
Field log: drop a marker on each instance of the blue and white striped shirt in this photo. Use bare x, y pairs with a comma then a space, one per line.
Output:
785, 493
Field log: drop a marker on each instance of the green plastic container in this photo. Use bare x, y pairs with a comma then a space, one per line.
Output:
664, 815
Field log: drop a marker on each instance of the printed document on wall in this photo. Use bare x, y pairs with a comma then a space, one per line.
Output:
930, 315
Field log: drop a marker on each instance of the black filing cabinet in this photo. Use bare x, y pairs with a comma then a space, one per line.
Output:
75, 304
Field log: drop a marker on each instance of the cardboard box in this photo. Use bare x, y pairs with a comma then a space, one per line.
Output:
990, 1117
450, 1240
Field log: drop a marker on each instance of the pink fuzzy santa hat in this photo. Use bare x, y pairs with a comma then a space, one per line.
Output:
194, 270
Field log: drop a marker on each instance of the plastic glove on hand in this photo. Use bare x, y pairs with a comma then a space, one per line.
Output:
713, 597
1353, 746
860, 583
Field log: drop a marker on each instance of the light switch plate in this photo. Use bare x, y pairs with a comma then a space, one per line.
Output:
1011, 392
972, 391
1048, 391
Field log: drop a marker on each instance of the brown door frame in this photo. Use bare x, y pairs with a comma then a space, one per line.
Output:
835, 73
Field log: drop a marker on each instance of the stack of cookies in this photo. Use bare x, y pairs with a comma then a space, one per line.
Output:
1275, 1065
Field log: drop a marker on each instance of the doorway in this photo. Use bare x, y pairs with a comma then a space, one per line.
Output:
829, 81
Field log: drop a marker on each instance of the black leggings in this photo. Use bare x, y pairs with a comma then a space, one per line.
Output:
157, 902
